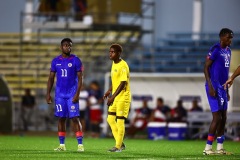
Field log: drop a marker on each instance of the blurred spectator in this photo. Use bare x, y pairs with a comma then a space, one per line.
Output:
140, 120
161, 113
53, 10
95, 108
195, 108
54, 7
27, 108
179, 113
83, 104
80, 9
49, 7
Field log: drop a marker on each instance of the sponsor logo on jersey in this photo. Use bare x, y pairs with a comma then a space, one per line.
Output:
58, 64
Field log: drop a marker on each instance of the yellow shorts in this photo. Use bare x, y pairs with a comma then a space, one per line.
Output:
121, 108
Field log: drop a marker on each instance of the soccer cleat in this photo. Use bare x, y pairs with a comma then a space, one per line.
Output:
123, 147
80, 148
60, 148
208, 152
114, 149
223, 151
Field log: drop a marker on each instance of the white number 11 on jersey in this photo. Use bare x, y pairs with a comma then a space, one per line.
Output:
59, 108
64, 72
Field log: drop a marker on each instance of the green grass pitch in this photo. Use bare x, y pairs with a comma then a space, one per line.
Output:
41, 148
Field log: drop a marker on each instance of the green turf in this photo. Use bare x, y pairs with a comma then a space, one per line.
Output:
36, 147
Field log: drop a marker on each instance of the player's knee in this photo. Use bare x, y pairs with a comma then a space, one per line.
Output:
216, 120
110, 119
120, 122
217, 117
121, 125
75, 120
62, 120
224, 118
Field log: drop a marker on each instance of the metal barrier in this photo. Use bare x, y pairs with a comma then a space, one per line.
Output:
202, 120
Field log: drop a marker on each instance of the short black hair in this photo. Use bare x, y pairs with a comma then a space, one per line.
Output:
117, 48
66, 40
160, 99
95, 82
225, 31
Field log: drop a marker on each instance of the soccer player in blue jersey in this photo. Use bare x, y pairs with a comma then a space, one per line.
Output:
216, 70
68, 69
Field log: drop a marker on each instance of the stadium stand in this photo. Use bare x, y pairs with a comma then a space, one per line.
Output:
25, 57
178, 53
26, 64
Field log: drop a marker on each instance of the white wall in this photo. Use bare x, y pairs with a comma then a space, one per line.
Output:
173, 16
176, 16
221, 13
10, 15
169, 86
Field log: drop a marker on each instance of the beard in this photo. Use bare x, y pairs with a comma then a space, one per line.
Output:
67, 53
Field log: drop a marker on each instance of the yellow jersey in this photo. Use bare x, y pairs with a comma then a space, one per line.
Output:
120, 72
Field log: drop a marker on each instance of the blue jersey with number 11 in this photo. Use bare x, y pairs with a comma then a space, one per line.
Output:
66, 70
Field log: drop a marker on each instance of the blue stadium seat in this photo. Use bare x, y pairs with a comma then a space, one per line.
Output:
177, 53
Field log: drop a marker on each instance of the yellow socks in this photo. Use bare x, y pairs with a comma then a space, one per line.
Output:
113, 125
118, 129
121, 132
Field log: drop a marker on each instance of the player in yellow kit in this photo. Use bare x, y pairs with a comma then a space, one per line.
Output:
118, 97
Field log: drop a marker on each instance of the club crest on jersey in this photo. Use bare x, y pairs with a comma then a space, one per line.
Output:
69, 64
72, 107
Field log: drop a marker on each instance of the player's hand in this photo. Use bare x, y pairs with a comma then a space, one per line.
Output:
228, 83
212, 92
110, 101
228, 96
106, 95
48, 99
75, 99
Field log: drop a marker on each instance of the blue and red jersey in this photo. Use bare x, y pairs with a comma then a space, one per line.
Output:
66, 72
219, 70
